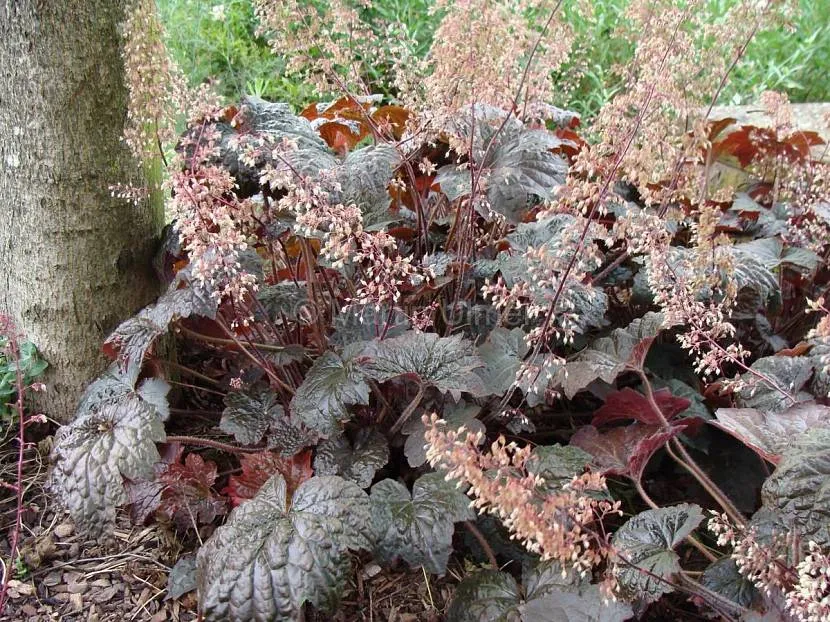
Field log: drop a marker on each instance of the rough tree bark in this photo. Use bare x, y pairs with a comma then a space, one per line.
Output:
73, 260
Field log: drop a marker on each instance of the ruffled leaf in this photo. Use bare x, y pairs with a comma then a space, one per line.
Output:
799, 489
365, 175
355, 461
274, 553
332, 384
647, 542
418, 527
248, 416
502, 354
184, 298
549, 596
789, 373
182, 578
769, 434
113, 437
557, 464
608, 357
446, 363
724, 578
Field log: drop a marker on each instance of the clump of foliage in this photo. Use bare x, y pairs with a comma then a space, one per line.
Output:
397, 320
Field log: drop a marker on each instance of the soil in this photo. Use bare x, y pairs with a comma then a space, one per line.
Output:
69, 577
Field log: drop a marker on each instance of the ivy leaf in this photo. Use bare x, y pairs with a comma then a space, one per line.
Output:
540, 232
277, 122
522, 170
456, 415
503, 354
357, 461
772, 252
288, 437
769, 434
447, 363
607, 357
332, 384
723, 578
113, 437
754, 273
275, 554
259, 467
623, 451
790, 373
629, 404
417, 527
647, 542
799, 489
557, 464
187, 496
182, 578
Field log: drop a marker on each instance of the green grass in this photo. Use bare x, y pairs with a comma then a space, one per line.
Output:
228, 51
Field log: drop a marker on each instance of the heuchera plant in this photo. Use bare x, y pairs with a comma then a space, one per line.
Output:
389, 321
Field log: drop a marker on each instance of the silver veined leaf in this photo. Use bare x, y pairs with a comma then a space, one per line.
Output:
446, 363
274, 554
789, 373
419, 527
355, 461
113, 437
646, 543
249, 415
548, 595
799, 489
333, 383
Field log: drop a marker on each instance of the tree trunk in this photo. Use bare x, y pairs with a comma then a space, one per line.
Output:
74, 261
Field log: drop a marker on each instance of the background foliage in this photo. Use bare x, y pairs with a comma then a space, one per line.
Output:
215, 40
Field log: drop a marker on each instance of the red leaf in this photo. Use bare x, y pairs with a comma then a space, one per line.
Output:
799, 349
258, 468
623, 451
339, 136
188, 496
145, 495
393, 116
629, 404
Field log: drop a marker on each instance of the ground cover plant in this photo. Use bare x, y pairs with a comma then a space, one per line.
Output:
587, 366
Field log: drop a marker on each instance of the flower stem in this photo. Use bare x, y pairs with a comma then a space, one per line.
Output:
407, 413
686, 461
690, 538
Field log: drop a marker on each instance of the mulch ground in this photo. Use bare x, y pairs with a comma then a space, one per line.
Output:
69, 577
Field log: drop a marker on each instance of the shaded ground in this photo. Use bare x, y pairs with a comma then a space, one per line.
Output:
72, 578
